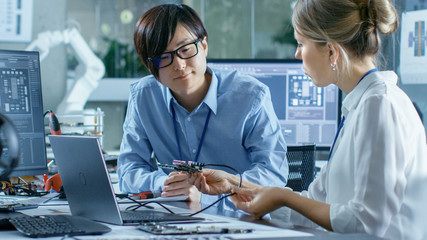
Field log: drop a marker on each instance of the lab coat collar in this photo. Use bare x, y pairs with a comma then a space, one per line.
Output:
353, 98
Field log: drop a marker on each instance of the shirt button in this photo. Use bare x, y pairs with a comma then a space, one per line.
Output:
194, 150
189, 119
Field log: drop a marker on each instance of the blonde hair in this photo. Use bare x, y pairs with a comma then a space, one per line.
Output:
353, 25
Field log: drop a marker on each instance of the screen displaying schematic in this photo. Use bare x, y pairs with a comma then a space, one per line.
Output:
307, 114
21, 101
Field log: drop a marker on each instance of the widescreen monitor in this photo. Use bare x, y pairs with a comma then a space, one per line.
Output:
21, 100
307, 114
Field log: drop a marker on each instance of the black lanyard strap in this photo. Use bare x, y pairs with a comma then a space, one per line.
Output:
202, 138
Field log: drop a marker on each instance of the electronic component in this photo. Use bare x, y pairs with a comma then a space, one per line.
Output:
166, 229
186, 166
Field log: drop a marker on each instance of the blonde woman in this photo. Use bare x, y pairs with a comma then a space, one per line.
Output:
375, 180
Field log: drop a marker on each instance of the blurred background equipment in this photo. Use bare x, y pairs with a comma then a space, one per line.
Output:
71, 112
88, 72
9, 147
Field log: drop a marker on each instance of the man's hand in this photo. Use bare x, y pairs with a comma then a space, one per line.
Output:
177, 184
213, 182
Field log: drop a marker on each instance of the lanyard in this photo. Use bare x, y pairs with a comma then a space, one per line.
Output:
369, 72
343, 118
202, 138
336, 136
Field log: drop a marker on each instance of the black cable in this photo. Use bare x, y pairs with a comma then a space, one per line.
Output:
225, 196
210, 205
133, 200
135, 207
47, 112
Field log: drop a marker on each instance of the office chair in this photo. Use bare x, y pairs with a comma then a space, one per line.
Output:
301, 160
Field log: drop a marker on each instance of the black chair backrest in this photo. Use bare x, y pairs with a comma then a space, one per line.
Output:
301, 160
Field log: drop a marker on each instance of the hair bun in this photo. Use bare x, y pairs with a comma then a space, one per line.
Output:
385, 15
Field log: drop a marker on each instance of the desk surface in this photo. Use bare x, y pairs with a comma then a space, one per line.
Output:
317, 233
232, 219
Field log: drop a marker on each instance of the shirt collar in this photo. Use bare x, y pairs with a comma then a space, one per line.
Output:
352, 99
211, 96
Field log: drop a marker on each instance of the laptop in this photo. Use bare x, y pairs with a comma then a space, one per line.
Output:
88, 187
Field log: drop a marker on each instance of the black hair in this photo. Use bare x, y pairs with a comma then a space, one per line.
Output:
156, 28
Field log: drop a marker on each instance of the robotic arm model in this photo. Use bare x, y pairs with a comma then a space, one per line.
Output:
88, 73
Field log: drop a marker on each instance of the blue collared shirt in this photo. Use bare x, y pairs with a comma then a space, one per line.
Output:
243, 133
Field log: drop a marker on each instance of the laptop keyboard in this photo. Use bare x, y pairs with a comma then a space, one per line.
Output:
137, 216
56, 225
154, 216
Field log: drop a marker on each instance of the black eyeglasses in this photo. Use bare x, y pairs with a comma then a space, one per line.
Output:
184, 52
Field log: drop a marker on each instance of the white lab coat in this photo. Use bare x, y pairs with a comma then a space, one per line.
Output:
376, 179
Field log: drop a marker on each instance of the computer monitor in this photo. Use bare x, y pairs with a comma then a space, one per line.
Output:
307, 114
21, 100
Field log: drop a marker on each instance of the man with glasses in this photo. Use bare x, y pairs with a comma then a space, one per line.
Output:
187, 111
185, 52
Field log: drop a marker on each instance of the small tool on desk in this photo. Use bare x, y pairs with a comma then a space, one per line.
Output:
145, 195
53, 183
54, 126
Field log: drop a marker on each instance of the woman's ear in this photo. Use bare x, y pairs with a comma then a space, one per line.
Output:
334, 53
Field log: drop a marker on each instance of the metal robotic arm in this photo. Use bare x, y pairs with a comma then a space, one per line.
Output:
88, 73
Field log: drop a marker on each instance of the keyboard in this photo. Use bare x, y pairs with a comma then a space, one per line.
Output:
28, 201
12, 204
57, 225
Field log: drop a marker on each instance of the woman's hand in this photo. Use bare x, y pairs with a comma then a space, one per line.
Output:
259, 201
262, 200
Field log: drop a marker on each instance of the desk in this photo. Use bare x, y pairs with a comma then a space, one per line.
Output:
232, 218
317, 234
